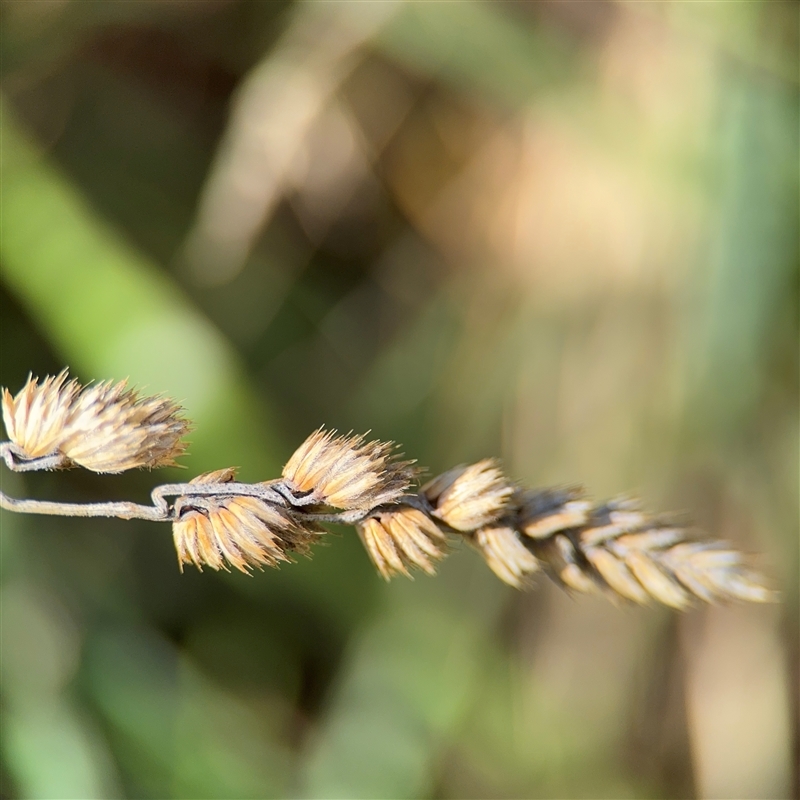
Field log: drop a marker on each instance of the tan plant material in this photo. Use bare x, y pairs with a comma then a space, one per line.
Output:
506, 555
641, 558
242, 531
106, 427
400, 539
541, 514
347, 472
469, 497
37, 416
615, 548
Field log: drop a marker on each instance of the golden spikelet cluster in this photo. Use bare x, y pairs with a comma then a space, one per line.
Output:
541, 514
400, 539
239, 530
506, 555
615, 547
346, 472
467, 498
37, 416
106, 427
622, 550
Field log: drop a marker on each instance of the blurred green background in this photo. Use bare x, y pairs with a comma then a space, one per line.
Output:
562, 233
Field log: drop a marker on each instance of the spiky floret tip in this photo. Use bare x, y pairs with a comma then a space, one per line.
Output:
347, 471
237, 530
105, 427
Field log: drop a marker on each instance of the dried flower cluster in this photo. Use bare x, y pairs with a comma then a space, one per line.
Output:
346, 472
630, 554
218, 522
242, 531
105, 428
401, 538
470, 497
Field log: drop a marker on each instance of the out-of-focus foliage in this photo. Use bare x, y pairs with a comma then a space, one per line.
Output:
564, 234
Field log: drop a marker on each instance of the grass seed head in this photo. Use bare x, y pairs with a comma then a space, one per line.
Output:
106, 427
37, 416
470, 497
236, 530
402, 539
113, 429
632, 555
347, 472
506, 555
543, 513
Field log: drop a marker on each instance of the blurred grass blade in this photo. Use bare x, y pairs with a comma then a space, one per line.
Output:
754, 251
405, 688
274, 110
53, 751
191, 737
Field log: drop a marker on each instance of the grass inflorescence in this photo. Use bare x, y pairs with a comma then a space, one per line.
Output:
614, 547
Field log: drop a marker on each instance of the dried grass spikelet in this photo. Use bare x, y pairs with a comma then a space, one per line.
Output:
566, 564
397, 540
113, 429
470, 497
37, 416
347, 472
239, 530
106, 427
506, 555
712, 570
641, 558
543, 513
